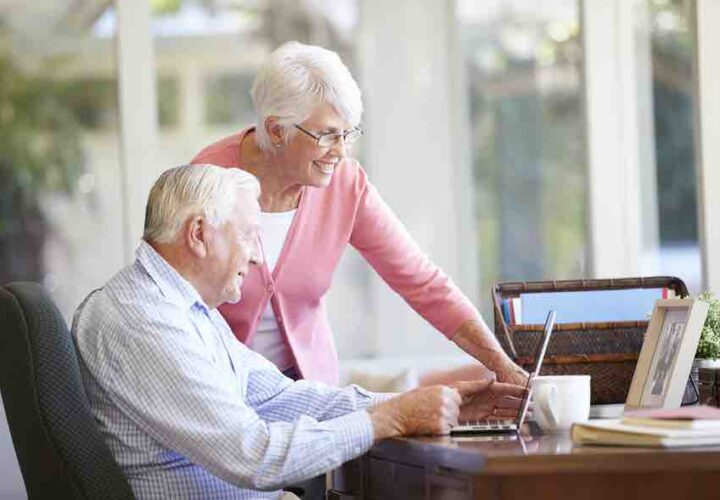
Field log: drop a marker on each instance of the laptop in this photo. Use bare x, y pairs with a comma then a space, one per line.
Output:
512, 425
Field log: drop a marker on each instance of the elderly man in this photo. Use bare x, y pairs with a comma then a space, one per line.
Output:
190, 412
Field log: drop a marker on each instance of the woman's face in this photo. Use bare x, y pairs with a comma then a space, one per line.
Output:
302, 160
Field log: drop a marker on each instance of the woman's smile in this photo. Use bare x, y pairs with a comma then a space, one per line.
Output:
326, 167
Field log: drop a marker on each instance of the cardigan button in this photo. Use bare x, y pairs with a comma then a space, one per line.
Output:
269, 288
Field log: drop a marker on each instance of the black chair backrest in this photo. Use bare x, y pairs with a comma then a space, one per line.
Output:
58, 445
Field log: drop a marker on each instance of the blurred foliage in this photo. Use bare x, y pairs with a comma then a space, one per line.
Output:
40, 151
674, 115
168, 101
40, 145
528, 148
92, 101
224, 104
709, 345
160, 7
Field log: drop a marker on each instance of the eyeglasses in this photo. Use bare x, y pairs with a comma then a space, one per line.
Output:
330, 139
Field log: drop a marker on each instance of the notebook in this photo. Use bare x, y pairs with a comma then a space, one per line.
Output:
513, 425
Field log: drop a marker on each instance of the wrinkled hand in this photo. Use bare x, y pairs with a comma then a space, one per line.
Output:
481, 399
423, 411
511, 373
475, 338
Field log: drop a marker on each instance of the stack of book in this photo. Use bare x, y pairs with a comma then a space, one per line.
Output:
659, 428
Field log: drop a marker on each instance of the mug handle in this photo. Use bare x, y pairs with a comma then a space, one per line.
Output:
546, 399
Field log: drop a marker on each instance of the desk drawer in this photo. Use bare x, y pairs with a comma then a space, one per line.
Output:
447, 485
394, 480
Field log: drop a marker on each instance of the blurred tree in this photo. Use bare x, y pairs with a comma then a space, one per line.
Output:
39, 152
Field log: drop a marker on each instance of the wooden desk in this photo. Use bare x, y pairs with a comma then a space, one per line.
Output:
532, 466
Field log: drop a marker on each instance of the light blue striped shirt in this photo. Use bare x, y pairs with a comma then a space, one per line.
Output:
190, 412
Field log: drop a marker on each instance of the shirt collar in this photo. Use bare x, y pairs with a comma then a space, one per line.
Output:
172, 285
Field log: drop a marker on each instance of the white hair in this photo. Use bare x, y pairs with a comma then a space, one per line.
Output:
192, 190
294, 81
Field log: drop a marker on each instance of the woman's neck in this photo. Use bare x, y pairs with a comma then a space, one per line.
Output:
277, 194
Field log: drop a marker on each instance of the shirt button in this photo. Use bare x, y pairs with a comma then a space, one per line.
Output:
269, 288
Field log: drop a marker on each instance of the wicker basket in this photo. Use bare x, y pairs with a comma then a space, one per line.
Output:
607, 351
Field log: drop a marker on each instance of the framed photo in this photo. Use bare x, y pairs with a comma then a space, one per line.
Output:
667, 353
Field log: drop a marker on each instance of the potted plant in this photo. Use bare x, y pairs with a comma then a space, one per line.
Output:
708, 351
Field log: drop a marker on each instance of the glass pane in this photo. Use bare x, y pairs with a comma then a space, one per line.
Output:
524, 65
60, 204
674, 105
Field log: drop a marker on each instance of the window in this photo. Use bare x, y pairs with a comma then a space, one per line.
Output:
674, 104
60, 210
524, 64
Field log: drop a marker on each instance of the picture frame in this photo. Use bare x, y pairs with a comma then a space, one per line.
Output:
667, 353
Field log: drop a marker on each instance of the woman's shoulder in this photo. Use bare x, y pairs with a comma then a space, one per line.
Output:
223, 152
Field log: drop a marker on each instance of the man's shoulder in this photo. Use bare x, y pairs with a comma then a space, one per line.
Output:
129, 303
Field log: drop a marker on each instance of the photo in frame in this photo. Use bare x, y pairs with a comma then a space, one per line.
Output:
667, 354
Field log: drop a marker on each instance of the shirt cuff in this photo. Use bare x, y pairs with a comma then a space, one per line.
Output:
381, 397
354, 434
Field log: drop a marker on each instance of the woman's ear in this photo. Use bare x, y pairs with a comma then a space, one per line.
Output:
275, 131
197, 236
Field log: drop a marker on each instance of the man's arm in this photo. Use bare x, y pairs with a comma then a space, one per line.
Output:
276, 398
162, 377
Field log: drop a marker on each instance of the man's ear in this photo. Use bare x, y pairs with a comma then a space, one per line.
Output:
197, 236
274, 130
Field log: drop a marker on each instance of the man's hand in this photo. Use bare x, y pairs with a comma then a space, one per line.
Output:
483, 399
426, 410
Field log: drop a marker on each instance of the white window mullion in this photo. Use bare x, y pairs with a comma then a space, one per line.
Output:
138, 120
622, 207
708, 78
413, 153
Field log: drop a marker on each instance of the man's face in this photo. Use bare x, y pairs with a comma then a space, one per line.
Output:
234, 246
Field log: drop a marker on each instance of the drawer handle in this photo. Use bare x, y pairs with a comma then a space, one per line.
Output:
339, 495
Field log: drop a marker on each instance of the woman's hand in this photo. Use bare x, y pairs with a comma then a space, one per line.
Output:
511, 373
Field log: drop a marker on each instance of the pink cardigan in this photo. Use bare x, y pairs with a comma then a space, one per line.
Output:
349, 210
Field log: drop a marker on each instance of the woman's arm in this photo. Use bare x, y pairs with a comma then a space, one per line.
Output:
387, 246
475, 338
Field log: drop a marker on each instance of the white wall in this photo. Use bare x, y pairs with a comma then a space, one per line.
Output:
409, 59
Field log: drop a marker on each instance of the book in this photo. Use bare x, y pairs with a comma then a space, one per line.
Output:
591, 306
511, 308
617, 433
516, 303
686, 417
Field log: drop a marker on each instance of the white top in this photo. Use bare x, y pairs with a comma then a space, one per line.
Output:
268, 339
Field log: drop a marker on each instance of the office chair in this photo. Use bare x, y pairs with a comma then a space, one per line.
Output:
57, 442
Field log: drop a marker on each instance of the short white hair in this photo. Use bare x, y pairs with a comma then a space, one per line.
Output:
192, 190
294, 81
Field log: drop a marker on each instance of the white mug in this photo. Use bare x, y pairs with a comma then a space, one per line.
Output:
560, 401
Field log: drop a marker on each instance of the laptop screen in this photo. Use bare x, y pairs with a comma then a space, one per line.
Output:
535, 369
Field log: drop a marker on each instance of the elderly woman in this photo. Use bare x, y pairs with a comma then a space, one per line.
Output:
315, 201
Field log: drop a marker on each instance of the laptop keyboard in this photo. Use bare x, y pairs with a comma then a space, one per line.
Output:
489, 424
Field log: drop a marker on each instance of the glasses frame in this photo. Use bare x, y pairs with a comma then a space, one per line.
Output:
336, 136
